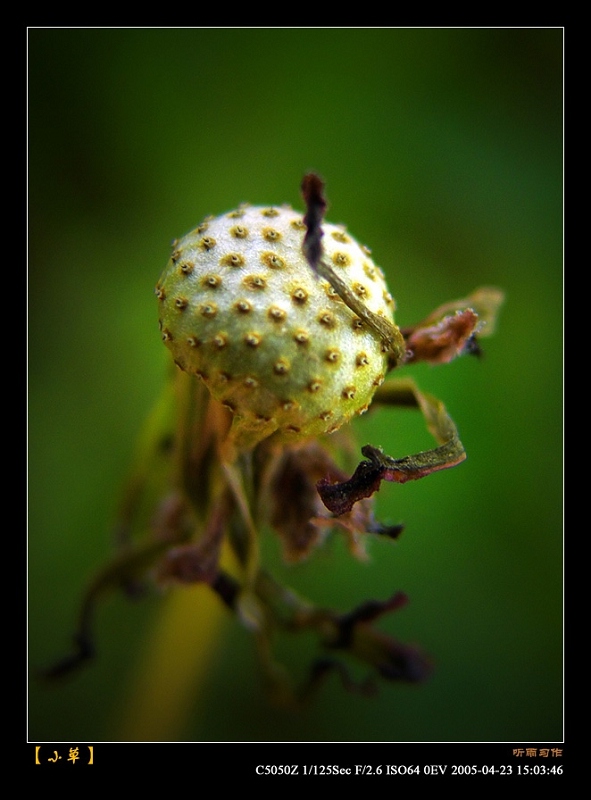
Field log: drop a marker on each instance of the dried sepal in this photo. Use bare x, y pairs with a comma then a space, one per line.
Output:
351, 635
294, 505
453, 328
197, 562
442, 342
296, 512
126, 569
486, 302
340, 497
391, 659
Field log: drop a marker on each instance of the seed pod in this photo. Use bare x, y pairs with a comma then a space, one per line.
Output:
241, 308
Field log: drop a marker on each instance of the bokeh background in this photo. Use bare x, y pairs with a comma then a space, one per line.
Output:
442, 150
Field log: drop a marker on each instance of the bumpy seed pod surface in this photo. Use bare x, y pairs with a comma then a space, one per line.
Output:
241, 308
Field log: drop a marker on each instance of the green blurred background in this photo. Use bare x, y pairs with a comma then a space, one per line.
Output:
442, 150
